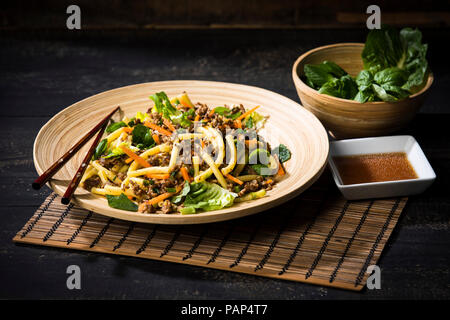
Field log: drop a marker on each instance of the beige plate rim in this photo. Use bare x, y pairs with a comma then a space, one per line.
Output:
233, 212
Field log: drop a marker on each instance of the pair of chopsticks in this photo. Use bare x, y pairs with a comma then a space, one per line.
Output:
50, 172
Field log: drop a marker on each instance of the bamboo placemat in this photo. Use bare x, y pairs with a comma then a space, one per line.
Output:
319, 238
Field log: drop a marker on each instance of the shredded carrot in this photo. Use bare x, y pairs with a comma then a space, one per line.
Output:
159, 198
162, 176
242, 116
212, 112
129, 160
281, 171
162, 197
130, 197
185, 174
169, 125
197, 118
236, 180
127, 129
269, 181
203, 144
156, 139
238, 124
134, 156
185, 104
158, 128
251, 143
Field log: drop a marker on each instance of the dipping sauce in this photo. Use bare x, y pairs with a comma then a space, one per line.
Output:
374, 167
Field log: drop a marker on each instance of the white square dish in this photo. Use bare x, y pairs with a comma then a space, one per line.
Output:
384, 189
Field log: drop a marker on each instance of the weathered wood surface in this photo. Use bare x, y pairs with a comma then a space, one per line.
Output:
223, 14
41, 74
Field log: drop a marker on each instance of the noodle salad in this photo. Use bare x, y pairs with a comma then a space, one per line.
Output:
184, 158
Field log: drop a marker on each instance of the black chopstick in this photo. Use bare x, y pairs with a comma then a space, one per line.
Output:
50, 172
77, 177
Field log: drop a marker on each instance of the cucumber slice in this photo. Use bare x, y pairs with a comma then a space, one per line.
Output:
259, 156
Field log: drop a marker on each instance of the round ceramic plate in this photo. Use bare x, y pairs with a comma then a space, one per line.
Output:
289, 123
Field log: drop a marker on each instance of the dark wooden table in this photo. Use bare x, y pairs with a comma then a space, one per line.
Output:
43, 72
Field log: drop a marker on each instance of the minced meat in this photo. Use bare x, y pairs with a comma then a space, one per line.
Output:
146, 208
250, 186
92, 182
108, 163
167, 207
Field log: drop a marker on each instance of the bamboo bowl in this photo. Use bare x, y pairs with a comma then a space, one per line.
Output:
347, 118
289, 124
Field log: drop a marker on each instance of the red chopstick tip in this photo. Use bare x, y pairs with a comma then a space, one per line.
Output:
65, 200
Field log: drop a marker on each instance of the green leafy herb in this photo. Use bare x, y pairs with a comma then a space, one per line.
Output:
385, 85
114, 153
249, 122
382, 94
234, 116
387, 47
114, 126
349, 87
320, 74
395, 67
364, 80
416, 63
257, 167
207, 196
142, 137
392, 76
168, 111
190, 112
365, 96
317, 75
185, 122
121, 202
333, 69
396, 91
132, 122
222, 111
284, 154
183, 193
384, 48
163, 105
100, 149
345, 87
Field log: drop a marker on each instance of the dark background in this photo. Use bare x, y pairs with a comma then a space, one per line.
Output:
44, 68
176, 14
